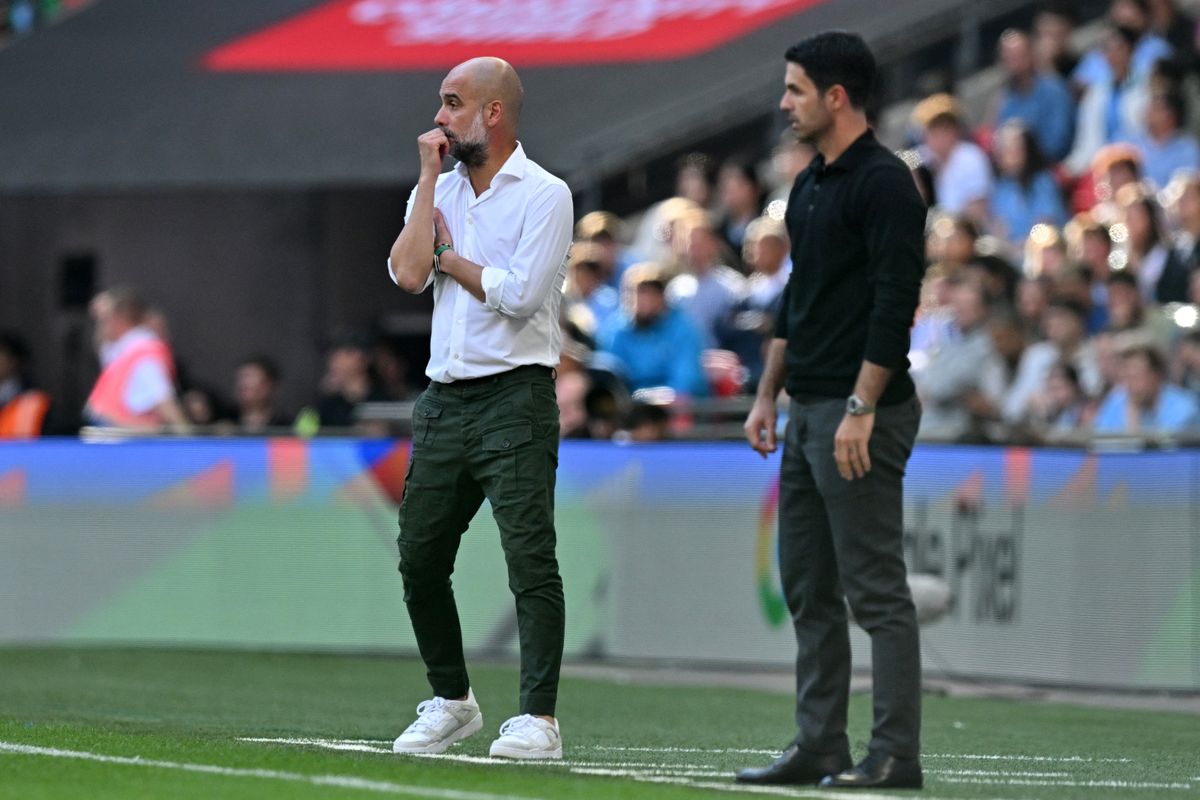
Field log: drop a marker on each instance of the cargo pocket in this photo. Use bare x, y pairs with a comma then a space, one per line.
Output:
424, 425
503, 445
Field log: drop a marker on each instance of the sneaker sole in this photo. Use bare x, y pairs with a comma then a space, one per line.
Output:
500, 751
473, 726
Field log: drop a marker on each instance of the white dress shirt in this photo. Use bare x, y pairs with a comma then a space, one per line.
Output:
519, 230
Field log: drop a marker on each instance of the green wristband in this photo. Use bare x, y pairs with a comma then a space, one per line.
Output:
437, 257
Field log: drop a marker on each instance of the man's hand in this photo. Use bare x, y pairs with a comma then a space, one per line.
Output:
760, 426
433, 147
441, 231
850, 446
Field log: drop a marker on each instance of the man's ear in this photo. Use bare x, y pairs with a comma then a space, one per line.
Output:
837, 98
493, 113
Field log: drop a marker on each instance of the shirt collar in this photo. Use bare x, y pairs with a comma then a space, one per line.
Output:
852, 156
514, 165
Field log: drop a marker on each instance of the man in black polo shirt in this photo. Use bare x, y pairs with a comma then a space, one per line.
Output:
856, 223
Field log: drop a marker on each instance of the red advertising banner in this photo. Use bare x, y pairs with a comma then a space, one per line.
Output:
345, 35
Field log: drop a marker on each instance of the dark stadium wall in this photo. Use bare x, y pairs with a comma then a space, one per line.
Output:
235, 273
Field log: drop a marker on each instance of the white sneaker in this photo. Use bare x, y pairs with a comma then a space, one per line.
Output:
440, 723
528, 737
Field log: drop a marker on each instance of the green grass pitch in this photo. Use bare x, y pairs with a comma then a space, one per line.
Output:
109, 723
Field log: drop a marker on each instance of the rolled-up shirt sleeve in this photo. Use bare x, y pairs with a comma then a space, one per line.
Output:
894, 227
519, 288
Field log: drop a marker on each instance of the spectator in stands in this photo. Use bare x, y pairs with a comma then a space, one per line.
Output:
586, 286
1130, 319
1161, 276
654, 344
136, 386
751, 324
1167, 148
1091, 246
347, 382
1052, 29
962, 172
646, 423
1143, 402
390, 366
1063, 408
1066, 341
1175, 27
694, 179
256, 386
604, 230
1112, 110
951, 243
203, 406
1038, 99
1045, 252
1187, 362
571, 389
1145, 47
23, 409
655, 238
739, 198
1033, 300
998, 277
707, 290
1185, 188
1025, 191
788, 159
949, 384
1075, 283
1009, 341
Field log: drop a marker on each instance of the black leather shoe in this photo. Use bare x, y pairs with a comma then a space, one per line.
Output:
878, 771
797, 766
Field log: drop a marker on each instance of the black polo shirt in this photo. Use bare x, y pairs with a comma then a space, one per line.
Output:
858, 243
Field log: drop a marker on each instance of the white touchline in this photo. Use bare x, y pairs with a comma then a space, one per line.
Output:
1093, 784
779, 791
340, 781
990, 773
1059, 759
747, 751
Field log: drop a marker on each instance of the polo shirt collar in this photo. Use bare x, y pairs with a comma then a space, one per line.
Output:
853, 155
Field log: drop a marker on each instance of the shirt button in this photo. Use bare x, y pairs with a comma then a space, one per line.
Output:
505, 444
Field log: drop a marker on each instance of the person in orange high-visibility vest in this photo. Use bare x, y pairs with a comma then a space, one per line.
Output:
22, 410
136, 387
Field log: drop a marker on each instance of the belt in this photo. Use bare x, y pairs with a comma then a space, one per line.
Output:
524, 371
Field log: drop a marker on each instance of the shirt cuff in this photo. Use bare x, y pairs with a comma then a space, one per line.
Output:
492, 281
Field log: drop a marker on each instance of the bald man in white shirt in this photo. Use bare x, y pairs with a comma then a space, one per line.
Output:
492, 237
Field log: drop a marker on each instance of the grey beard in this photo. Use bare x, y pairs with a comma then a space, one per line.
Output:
473, 154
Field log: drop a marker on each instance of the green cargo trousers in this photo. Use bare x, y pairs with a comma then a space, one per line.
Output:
494, 437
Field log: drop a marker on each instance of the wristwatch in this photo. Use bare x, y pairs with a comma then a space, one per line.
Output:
437, 257
857, 407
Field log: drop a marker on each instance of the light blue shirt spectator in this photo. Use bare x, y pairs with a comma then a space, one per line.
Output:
1175, 410
1048, 109
1163, 159
1094, 69
603, 302
665, 352
1018, 208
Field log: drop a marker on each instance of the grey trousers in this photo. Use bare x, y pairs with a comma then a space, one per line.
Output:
842, 541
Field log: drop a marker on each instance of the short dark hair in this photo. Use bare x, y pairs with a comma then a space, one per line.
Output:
1175, 104
1071, 306
1126, 34
265, 363
837, 58
1154, 357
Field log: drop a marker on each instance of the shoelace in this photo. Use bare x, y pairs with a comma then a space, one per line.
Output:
519, 724
429, 714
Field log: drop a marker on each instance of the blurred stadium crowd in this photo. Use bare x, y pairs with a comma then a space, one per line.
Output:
22, 17
1061, 300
